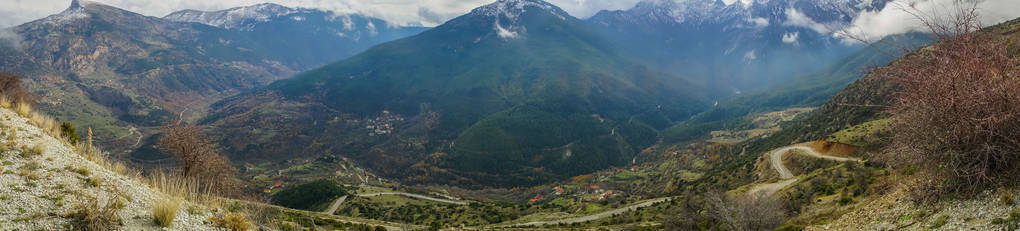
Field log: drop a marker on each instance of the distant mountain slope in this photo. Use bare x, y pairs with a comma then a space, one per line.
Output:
811, 90
515, 92
300, 37
111, 69
123, 73
737, 47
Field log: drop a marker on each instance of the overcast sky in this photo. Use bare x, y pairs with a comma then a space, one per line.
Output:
16, 12
873, 25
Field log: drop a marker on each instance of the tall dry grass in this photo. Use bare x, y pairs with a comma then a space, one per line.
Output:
6, 101
165, 211
23, 108
96, 216
177, 185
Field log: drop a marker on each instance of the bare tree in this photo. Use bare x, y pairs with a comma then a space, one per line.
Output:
10, 85
747, 212
957, 113
197, 156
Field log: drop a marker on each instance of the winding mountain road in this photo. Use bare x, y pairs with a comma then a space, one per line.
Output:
336, 205
415, 196
776, 160
592, 217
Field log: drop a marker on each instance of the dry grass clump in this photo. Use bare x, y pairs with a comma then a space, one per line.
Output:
46, 123
1006, 197
179, 186
233, 221
23, 109
94, 181
81, 171
102, 159
38, 149
6, 102
164, 211
93, 216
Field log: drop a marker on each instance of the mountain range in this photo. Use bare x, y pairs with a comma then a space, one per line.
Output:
301, 37
124, 73
515, 92
737, 47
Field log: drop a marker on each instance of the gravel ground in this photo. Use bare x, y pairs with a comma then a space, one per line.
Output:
39, 191
896, 211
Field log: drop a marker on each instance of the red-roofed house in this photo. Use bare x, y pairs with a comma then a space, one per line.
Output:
533, 200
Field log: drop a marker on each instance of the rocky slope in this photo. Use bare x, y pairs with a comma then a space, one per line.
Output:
46, 180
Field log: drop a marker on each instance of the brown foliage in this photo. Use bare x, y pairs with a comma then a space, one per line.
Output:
832, 148
233, 222
958, 112
198, 157
746, 212
10, 85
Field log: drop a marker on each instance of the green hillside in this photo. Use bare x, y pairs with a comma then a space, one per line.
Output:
528, 103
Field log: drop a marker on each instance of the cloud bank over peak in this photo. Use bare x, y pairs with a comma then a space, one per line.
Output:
897, 17
397, 12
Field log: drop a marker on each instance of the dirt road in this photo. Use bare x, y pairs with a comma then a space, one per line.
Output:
416, 196
336, 204
592, 217
776, 160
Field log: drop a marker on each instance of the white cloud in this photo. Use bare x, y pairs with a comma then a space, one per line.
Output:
795, 18
759, 22
895, 19
401, 12
791, 37
504, 33
9, 38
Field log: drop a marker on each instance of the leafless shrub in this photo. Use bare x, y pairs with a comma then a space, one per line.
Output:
198, 157
10, 86
747, 212
958, 111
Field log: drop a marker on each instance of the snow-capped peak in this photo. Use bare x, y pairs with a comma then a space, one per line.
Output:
506, 15
74, 12
688, 11
233, 18
513, 9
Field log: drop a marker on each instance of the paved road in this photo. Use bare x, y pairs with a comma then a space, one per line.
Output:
416, 196
336, 205
776, 160
312, 214
592, 217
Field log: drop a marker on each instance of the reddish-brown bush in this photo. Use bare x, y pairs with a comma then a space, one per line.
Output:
958, 111
198, 157
10, 85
